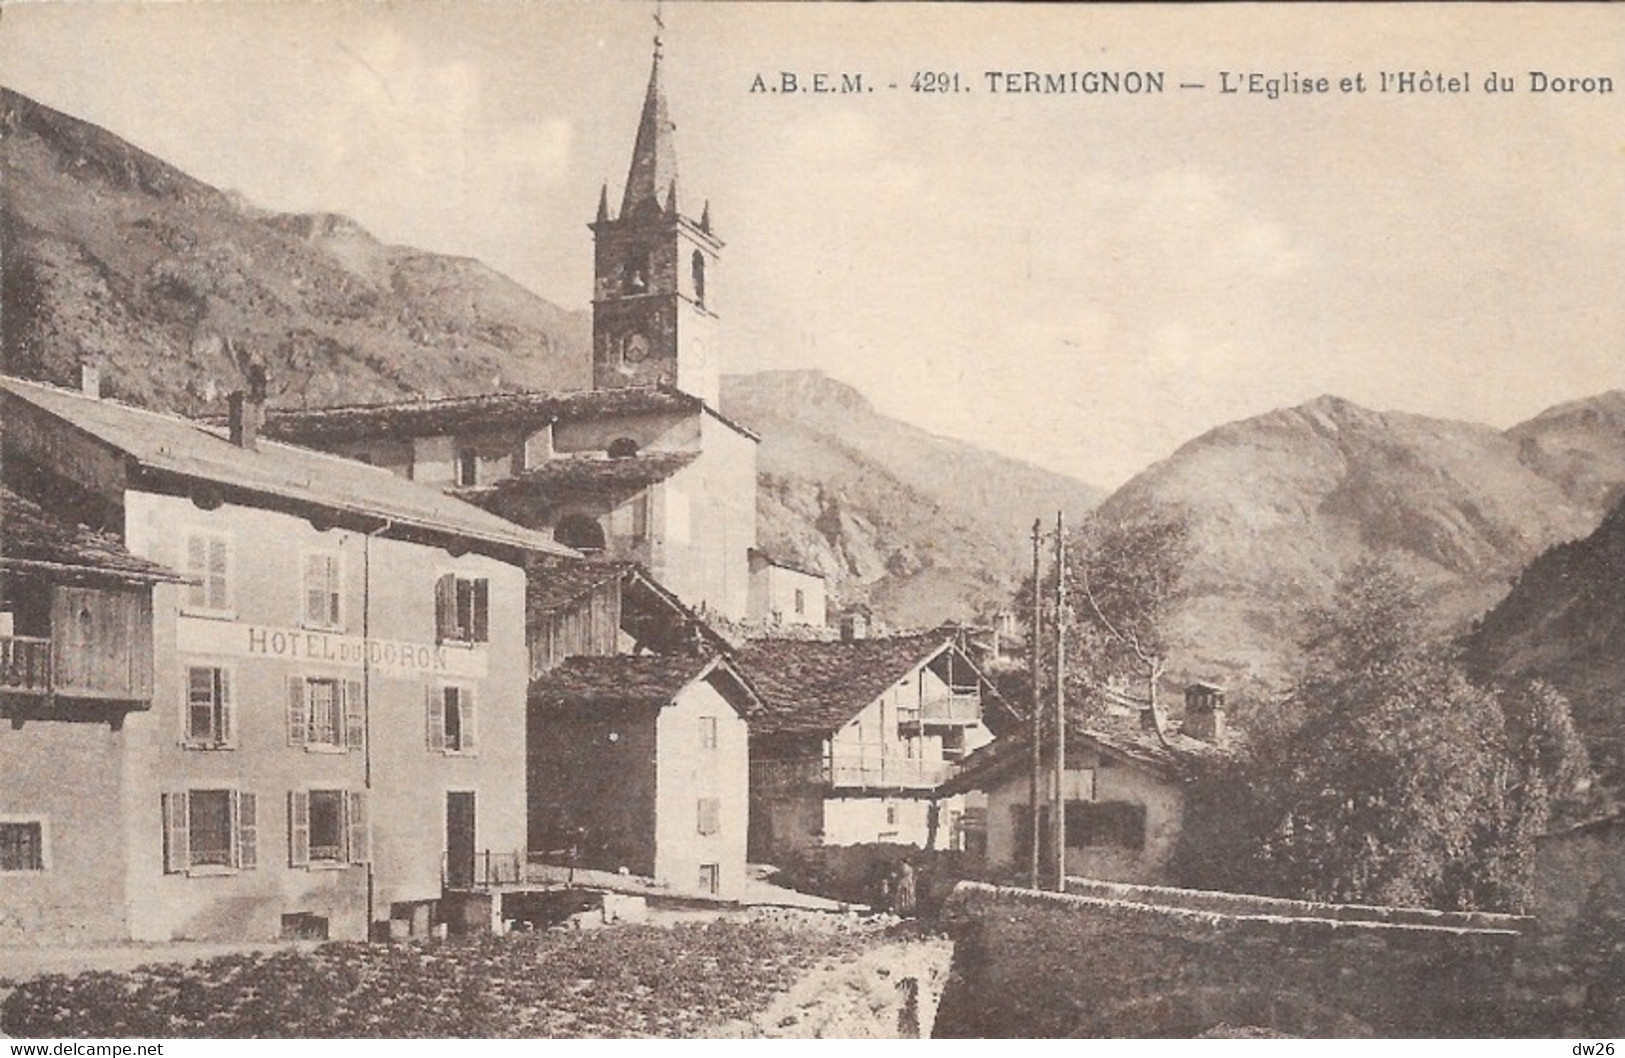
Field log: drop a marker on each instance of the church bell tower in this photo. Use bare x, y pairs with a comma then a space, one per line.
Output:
653, 312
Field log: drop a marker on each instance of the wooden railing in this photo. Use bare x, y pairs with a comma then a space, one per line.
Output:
949, 710
482, 870
849, 772
25, 664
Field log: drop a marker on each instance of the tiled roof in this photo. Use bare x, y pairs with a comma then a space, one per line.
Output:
1175, 757
575, 475
30, 538
173, 445
428, 418
644, 681
554, 583
812, 686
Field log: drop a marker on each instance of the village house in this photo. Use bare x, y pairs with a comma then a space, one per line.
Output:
854, 738
785, 594
76, 657
337, 688
1125, 783
639, 764
640, 468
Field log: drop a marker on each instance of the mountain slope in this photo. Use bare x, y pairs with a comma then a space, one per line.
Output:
115, 258
921, 527
1564, 622
1279, 505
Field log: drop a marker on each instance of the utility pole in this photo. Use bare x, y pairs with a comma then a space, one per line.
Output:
1037, 712
1058, 814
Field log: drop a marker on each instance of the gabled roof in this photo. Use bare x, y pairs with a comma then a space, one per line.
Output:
170, 445
566, 477
448, 415
31, 539
814, 687
1175, 757
626, 681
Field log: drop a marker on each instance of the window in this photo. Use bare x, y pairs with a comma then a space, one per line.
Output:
22, 846
710, 815
328, 828
450, 720
640, 517
208, 563
209, 720
953, 743
211, 830
462, 609
468, 466
698, 269
637, 271
891, 815
710, 877
1105, 824
622, 448
801, 602
323, 589
708, 732
326, 714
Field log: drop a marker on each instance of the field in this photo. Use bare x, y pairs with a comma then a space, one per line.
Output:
626, 981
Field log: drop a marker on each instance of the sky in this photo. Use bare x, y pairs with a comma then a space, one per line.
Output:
1084, 281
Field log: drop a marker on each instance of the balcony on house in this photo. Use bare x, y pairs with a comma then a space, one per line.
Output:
956, 708
63, 643
849, 771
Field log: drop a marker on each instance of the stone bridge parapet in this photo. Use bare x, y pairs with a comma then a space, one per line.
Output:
1114, 960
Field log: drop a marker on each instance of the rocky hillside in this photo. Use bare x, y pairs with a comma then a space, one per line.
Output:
921, 527
115, 258
1281, 504
1564, 622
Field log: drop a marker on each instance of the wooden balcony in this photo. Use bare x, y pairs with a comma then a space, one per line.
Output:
849, 773
958, 709
25, 664
85, 645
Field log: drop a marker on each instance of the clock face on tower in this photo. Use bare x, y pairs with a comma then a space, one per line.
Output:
636, 349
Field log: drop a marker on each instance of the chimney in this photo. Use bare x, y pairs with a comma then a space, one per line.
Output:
90, 381
1204, 712
248, 409
854, 626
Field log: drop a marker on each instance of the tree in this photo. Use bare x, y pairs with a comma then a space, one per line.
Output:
1398, 785
1122, 579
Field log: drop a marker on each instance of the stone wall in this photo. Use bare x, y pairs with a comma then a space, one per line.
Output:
1129, 961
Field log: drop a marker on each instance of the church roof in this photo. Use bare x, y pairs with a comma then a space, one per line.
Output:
403, 419
652, 177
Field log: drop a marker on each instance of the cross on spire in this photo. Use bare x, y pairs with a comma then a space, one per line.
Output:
660, 28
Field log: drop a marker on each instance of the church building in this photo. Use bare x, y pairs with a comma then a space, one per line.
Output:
642, 467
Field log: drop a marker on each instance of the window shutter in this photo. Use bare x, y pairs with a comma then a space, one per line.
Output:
355, 722
298, 828
228, 722
709, 813
445, 607
297, 721
465, 706
436, 718
248, 840
177, 832
218, 599
482, 610
360, 831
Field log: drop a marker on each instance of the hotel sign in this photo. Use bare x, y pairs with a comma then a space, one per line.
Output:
388, 658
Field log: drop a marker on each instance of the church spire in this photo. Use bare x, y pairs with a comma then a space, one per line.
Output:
654, 157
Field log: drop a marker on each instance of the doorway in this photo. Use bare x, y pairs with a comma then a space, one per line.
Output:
460, 822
